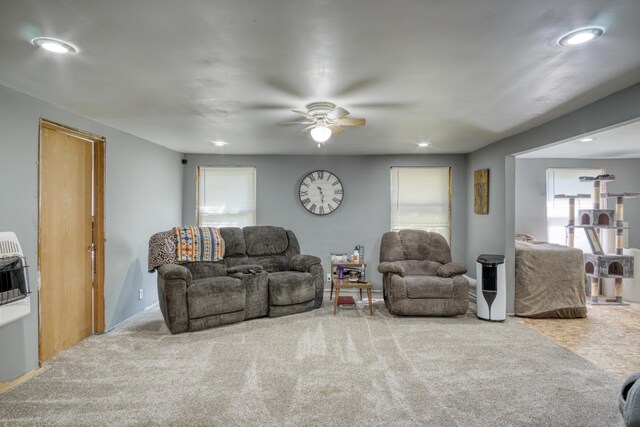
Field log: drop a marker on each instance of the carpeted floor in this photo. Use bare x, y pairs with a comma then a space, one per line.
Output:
317, 369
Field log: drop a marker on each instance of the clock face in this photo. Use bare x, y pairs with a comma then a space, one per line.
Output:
321, 192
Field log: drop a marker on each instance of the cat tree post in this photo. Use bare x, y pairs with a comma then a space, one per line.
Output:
619, 224
619, 241
571, 231
570, 234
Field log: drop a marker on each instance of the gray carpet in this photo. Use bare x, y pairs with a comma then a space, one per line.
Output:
317, 369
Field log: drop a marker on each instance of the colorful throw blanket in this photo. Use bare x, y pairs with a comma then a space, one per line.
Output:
198, 244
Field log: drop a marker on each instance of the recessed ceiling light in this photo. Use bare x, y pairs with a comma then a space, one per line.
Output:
580, 36
424, 144
54, 45
586, 139
219, 143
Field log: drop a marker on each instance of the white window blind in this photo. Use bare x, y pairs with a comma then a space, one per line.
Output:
566, 181
420, 199
226, 196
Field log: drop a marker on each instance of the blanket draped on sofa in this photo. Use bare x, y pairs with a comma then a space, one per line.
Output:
185, 244
199, 244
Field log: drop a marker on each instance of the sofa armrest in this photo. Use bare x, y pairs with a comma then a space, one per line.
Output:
303, 262
391, 268
175, 271
245, 269
173, 281
451, 269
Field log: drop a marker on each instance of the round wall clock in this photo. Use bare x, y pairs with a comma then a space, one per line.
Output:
321, 192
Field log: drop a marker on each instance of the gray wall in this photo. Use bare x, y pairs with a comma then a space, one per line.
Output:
143, 195
493, 233
363, 216
531, 198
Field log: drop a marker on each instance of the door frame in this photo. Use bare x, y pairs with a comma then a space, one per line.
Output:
99, 144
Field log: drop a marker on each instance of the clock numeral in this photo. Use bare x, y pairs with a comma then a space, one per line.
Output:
305, 184
329, 176
312, 178
320, 174
321, 211
304, 193
313, 208
336, 200
305, 202
338, 191
336, 182
331, 208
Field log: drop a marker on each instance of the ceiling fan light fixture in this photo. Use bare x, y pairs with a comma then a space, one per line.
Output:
320, 134
580, 36
54, 45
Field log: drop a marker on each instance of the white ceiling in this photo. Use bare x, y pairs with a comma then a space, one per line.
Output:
459, 73
621, 142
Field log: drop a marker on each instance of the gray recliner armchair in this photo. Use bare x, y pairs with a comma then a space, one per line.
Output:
419, 278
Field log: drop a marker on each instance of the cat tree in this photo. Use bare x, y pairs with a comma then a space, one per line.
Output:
599, 265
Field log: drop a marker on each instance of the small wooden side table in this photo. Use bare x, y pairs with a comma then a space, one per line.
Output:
346, 284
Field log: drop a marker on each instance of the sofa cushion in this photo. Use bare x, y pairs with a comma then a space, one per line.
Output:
234, 261
215, 295
439, 250
391, 247
272, 263
415, 244
428, 287
202, 269
290, 287
419, 268
303, 262
265, 240
233, 241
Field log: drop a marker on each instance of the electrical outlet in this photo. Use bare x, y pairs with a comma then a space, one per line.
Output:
140, 293
328, 277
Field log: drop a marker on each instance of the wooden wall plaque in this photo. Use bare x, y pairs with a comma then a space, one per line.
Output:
481, 191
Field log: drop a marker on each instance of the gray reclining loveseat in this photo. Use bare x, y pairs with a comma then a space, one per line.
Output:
262, 274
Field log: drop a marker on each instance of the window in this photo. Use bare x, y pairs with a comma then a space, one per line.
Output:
226, 196
566, 181
420, 199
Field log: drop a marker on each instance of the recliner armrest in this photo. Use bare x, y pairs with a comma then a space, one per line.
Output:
250, 268
451, 269
175, 271
303, 262
391, 268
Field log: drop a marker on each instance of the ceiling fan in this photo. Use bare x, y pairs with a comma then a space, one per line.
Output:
325, 119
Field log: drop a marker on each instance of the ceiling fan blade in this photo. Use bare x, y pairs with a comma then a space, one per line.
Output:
350, 121
337, 113
296, 123
336, 130
303, 114
307, 129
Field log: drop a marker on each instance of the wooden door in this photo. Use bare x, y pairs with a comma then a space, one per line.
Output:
65, 239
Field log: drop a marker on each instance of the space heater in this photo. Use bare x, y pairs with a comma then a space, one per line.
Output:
15, 301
